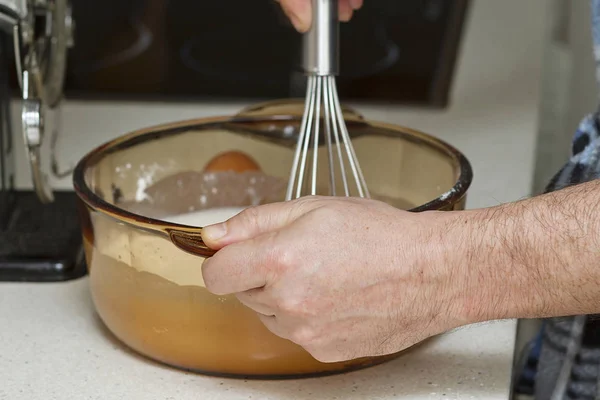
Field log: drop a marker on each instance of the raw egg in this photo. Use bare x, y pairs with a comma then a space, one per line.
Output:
232, 161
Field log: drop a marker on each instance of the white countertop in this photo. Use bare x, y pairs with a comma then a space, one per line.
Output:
53, 347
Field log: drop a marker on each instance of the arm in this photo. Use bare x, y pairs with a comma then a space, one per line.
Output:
348, 278
538, 257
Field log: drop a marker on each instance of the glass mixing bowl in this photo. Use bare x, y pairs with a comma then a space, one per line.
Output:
145, 272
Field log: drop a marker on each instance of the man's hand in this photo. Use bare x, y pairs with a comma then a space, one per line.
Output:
300, 11
347, 278
343, 278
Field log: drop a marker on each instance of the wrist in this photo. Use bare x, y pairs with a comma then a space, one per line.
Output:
534, 258
512, 263
481, 249
454, 256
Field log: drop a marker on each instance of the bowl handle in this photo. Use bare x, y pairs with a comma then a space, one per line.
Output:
191, 242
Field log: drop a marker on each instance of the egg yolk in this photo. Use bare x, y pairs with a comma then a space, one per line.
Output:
235, 161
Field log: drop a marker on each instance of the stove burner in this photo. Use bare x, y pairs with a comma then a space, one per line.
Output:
142, 42
194, 56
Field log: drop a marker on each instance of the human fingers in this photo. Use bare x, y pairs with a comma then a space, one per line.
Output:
345, 11
255, 221
263, 304
300, 11
239, 267
256, 301
273, 324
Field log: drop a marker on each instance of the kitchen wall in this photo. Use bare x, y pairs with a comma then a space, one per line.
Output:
569, 89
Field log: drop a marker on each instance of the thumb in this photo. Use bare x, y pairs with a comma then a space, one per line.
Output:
255, 221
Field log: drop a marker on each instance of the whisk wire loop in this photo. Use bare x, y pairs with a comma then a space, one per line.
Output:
323, 115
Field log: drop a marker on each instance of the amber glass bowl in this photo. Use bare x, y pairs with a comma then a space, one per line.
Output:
145, 272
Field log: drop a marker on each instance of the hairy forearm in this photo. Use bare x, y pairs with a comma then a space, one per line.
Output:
534, 258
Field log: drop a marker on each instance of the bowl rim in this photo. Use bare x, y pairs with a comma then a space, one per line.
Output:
454, 195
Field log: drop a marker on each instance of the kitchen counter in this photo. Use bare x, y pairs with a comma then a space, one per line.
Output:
52, 345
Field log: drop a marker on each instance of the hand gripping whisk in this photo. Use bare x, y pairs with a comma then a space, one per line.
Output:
323, 116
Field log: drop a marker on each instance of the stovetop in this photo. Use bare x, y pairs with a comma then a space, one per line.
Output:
399, 51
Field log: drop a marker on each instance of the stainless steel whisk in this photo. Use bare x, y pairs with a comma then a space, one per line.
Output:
323, 113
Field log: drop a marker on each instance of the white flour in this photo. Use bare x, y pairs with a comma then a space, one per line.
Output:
204, 217
155, 254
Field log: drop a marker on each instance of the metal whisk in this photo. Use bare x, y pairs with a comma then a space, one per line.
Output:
323, 114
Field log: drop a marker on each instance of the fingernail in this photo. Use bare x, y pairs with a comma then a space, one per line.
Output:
215, 232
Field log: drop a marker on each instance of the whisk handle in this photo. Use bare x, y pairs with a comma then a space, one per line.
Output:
321, 42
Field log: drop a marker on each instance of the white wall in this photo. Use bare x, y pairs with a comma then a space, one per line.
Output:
569, 89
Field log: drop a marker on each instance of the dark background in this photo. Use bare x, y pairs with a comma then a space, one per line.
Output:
400, 51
